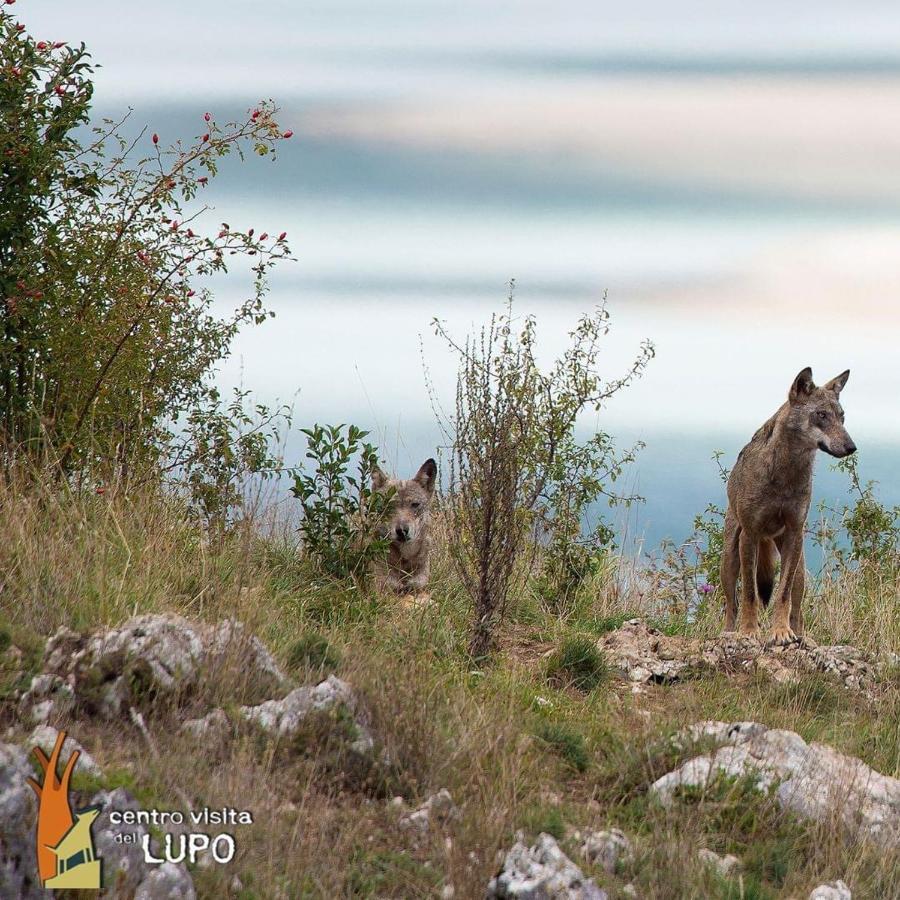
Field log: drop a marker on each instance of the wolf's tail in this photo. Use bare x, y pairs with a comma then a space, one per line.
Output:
765, 570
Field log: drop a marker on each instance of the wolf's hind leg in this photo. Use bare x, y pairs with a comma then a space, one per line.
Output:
749, 603
729, 568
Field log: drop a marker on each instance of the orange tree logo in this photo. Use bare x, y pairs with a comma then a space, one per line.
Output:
65, 847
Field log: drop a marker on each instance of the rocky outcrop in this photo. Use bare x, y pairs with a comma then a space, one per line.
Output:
18, 811
125, 873
542, 872
644, 655
811, 780
147, 658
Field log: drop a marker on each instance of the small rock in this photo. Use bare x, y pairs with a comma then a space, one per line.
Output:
214, 727
40, 712
166, 882
542, 872
606, 848
286, 715
48, 695
438, 808
11, 658
833, 890
726, 866
44, 736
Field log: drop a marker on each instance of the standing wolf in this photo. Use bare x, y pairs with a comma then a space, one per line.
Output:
769, 491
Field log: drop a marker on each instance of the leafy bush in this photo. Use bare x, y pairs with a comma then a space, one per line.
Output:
577, 662
107, 330
864, 532
342, 514
221, 448
516, 468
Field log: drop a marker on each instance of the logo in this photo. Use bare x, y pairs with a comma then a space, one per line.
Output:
65, 847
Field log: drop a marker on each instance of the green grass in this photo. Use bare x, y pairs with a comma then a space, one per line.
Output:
534, 741
577, 663
566, 742
313, 651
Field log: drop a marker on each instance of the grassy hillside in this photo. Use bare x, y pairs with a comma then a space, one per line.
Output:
544, 738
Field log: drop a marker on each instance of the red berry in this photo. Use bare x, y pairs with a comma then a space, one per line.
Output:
206, 117
155, 138
288, 134
255, 115
264, 236
205, 138
282, 236
191, 293
202, 180
41, 45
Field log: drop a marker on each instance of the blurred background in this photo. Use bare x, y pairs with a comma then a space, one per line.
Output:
728, 173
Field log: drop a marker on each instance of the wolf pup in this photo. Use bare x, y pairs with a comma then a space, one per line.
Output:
407, 528
769, 492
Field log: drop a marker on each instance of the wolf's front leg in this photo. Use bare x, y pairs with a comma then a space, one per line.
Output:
418, 579
791, 553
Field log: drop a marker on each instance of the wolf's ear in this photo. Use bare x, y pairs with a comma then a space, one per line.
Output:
379, 479
426, 475
803, 386
836, 385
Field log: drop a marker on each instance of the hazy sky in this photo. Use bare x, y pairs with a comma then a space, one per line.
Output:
173, 50
729, 172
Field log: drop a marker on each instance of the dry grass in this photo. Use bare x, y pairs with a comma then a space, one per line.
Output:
94, 559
